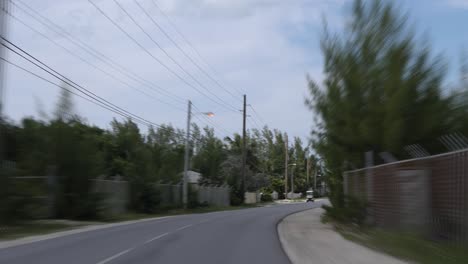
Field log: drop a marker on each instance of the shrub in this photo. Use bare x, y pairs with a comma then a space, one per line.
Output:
236, 198
148, 199
266, 197
192, 198
354, 211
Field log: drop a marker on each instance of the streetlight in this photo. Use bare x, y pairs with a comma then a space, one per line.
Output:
187, 152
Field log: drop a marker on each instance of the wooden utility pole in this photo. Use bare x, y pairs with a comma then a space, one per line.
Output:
286, 158
244, 150
4, 9
186, 157
307, 171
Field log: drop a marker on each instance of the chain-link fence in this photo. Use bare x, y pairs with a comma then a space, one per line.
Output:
426, 194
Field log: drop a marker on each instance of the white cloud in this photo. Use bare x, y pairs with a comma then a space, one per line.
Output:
458, 3
264, 47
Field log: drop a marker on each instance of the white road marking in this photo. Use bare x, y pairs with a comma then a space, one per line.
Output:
115, 256
181, 228
157, 237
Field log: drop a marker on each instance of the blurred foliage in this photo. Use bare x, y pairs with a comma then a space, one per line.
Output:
69, 152
383, 90
354, 212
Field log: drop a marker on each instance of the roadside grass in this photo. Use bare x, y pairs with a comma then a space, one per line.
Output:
40, 227
179, 211
32, 228
405, 246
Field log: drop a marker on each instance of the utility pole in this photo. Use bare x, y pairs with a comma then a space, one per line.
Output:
4, 8
286, 158
307, 171
244, 150
315, 175
292, 179
186, 157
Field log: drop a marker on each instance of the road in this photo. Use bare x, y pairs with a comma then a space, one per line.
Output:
241, 236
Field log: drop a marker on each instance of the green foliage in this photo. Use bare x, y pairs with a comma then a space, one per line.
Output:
146, 198
266, 197
236, 197
210, 153
354, 211
74, 153
192, 198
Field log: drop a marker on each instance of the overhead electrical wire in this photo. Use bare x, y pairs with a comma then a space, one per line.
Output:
152, 56
95, 53
96, 67
85, 93
183, 52
257, 115
212, 122
179, 32
121, 7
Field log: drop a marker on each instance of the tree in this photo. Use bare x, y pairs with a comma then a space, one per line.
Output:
382, 91
211, 153
64, 108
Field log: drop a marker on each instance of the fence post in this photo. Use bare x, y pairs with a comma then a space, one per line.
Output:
345, 183
369, 161
369, 174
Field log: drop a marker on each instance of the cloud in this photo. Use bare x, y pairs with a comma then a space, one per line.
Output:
263, 47
458, 3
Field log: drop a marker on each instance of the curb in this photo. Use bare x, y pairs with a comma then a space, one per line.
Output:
280, 238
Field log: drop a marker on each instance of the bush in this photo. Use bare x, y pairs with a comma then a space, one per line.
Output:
236, 198
354, 212
148, 199
192, 198
266, 197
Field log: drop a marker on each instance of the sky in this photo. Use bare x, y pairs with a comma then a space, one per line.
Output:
263, 48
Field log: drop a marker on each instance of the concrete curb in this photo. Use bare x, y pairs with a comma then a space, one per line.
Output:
305, 239
37, 238
283, 242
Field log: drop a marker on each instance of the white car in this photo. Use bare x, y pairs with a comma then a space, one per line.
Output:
310, 196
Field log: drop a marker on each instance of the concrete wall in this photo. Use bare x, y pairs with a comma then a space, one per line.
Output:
171, 195
250, 198
294, 195
212, 195
116, 195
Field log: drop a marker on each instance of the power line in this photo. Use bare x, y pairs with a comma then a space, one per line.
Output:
174, 26
93, 52
208, 124
253, 122
64, 79
169, 56
151, 55
70, 91
256, 114
182, 51
92, 97
94, 66
212, 122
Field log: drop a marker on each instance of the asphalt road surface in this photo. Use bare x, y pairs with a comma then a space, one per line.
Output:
242, 236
